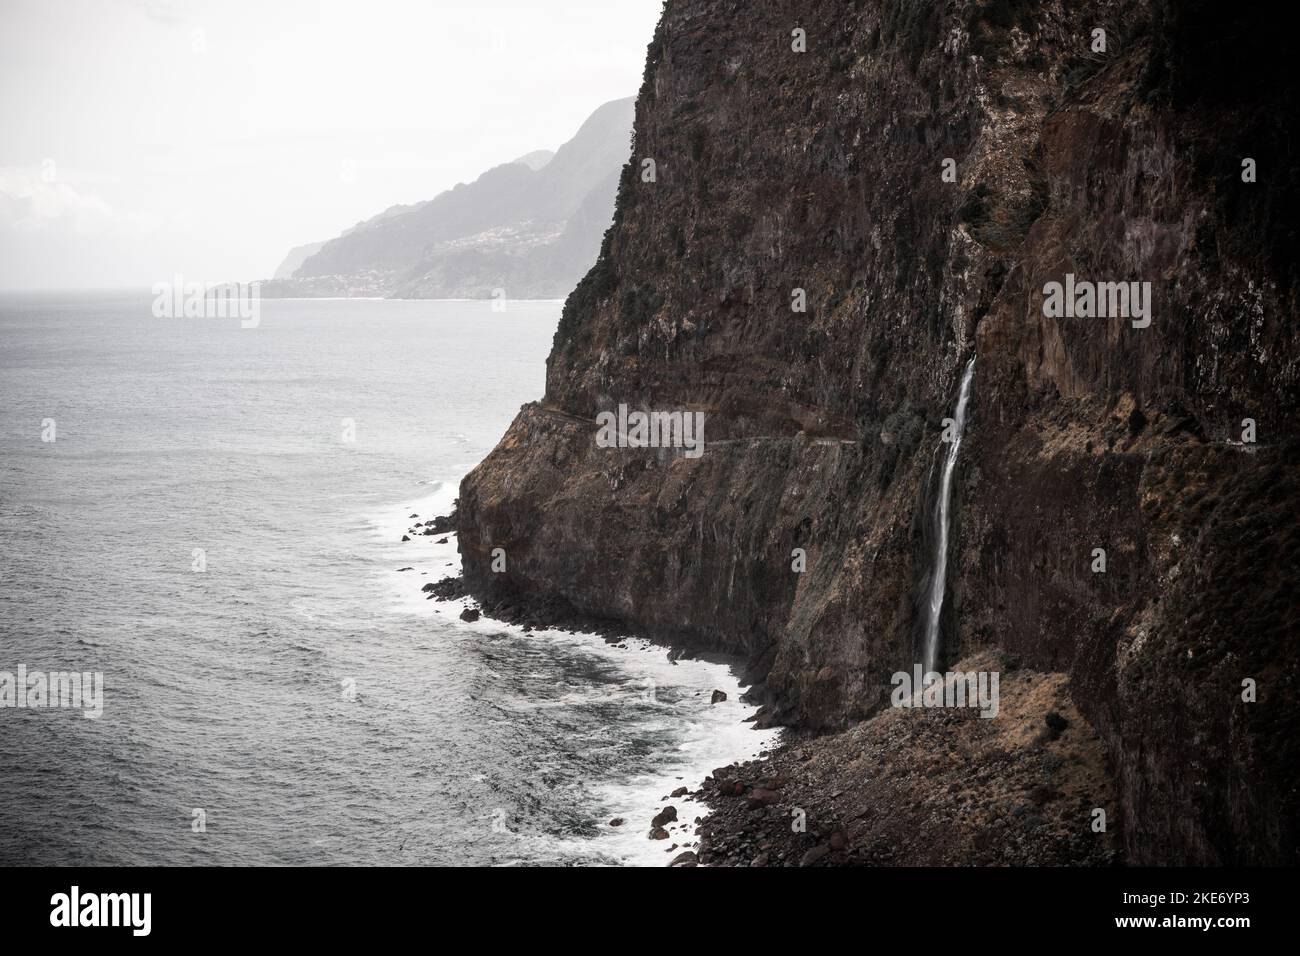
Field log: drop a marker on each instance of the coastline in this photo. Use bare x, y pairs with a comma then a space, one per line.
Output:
916, 787
680, 681
904, 787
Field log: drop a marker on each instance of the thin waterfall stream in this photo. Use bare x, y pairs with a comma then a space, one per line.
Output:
942, 519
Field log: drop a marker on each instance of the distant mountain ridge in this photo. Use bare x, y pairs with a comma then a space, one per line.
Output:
296, 257
531, 227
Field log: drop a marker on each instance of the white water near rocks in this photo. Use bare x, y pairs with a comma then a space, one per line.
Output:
452, 742
939, 575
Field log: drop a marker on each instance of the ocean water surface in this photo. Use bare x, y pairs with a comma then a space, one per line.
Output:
298, 695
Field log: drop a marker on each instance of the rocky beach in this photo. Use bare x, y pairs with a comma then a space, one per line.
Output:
1004, 791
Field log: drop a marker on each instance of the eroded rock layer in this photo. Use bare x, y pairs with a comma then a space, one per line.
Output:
776, 170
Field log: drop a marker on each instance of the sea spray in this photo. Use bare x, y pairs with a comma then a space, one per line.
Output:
942, 518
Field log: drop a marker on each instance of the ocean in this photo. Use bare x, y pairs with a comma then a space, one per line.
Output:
215, 528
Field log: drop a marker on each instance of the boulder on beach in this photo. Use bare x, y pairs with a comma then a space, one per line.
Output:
667, 815
442, 524
470, 614
813, 856
718, 697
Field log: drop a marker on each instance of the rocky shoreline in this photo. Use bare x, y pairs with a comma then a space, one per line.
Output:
904, 788
550, 612
926, 788
920, 788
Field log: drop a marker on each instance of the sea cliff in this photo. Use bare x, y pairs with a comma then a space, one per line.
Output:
780, 173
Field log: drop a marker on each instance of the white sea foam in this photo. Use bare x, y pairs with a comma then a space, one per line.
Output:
709, 735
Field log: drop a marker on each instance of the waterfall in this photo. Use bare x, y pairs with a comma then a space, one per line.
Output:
942, 507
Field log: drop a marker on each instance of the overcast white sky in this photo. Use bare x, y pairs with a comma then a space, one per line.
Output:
144, 138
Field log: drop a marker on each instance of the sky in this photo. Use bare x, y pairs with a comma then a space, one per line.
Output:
141, 139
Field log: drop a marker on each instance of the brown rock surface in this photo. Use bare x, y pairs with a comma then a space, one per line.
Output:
934, 787
821, 171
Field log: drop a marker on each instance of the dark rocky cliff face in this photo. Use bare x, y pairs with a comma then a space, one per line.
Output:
778, 170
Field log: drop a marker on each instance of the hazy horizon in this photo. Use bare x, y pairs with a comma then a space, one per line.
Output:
157, 137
